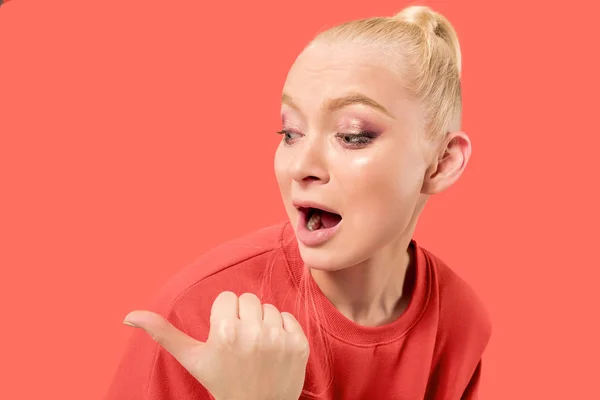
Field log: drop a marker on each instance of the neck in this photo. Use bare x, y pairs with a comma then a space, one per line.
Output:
373, 292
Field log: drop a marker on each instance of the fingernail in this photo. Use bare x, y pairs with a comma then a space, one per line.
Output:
130, 324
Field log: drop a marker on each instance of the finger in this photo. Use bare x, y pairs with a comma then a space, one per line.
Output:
272, 316
290, 324
250, 308
297, 342
177, 343
225, 307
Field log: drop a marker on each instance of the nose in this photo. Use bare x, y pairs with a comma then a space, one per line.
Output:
309, 163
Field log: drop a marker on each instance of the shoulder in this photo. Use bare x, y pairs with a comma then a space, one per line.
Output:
238, 265
147, 371
463, 330
463, 318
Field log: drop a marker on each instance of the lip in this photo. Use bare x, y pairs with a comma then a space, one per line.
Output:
320, 236
311, 204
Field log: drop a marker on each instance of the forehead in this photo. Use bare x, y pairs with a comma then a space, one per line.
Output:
329, 70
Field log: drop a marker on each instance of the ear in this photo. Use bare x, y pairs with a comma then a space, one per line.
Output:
448, 164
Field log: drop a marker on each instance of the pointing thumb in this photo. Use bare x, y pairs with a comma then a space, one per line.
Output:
181, 346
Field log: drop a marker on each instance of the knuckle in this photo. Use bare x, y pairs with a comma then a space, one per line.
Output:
226, 294
225, 297
249, 297
252, 337
270, 307
304, 351
254, 332
299, 344
290, 318
274, 336
225, 332
272, 340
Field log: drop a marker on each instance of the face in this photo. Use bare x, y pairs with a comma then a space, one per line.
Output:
352, 144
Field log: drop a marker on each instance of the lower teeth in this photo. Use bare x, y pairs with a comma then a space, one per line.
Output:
314, 222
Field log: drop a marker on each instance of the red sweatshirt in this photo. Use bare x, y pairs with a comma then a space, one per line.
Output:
433, 351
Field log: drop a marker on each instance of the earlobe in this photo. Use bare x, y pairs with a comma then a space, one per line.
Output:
449, 163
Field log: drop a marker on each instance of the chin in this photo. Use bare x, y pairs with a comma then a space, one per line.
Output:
324, 258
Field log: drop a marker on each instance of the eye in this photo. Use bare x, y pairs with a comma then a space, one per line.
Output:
356, 140
288, 136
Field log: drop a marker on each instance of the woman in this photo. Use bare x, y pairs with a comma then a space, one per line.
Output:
340, 302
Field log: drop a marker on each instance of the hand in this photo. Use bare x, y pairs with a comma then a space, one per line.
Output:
253, 352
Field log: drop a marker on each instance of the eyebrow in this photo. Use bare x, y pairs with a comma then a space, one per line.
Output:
341, 102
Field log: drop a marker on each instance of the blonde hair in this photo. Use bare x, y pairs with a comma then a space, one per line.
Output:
426, 45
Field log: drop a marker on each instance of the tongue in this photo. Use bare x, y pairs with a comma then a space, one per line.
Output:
329, 220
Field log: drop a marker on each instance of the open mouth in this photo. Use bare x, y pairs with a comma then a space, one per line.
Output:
315, 219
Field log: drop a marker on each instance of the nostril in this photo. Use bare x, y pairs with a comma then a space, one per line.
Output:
311, 178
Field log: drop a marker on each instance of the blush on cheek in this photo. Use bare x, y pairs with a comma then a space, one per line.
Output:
361, 161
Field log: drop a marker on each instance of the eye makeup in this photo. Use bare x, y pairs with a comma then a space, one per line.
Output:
356, 123
351, 130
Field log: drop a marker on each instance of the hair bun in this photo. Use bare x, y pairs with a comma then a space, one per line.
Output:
435, 25
422, 16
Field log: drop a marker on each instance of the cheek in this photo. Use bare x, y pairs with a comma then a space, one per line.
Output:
279, 165
379, 183
282, 175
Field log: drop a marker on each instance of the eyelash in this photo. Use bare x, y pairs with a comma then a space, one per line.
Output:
359, 140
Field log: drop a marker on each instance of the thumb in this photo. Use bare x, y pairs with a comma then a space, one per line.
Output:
184, 348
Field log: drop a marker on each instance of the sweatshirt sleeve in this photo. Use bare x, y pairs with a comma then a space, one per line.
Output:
472, 390
148, 372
